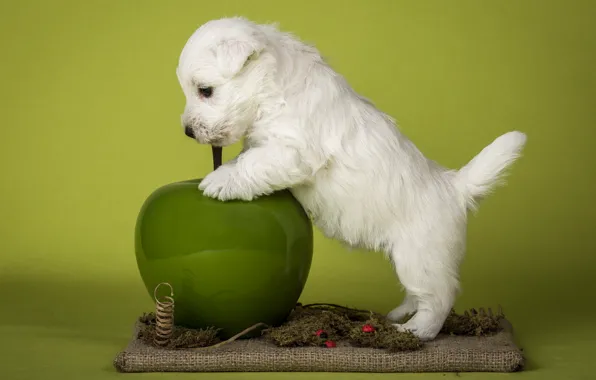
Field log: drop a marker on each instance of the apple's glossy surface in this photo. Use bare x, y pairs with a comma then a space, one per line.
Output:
231, 264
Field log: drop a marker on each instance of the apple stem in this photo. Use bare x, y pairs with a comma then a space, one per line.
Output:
235, 337
216, 150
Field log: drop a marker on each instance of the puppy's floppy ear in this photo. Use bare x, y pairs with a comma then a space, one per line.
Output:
233, 55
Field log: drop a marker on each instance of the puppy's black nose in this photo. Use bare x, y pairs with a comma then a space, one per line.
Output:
189, 132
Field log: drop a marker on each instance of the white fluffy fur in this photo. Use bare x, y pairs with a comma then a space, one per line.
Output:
362, 181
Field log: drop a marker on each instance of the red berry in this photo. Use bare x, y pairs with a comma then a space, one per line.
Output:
321, 334
330, 344
368, 328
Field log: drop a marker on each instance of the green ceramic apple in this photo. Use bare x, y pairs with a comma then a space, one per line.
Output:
231, 264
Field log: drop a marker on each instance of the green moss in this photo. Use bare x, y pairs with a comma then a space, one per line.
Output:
385, 336
473, 322
181, 337
315, 324
339, 324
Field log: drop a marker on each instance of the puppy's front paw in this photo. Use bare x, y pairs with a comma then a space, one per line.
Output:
423, 325
224, 184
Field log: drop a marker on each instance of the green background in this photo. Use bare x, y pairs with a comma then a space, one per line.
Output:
90, 127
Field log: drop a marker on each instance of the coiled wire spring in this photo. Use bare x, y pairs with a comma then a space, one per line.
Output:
164, 316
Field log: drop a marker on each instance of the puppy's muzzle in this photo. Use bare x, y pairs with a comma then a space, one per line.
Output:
188, 131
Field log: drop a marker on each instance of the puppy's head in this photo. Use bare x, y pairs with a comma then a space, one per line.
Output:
221, 77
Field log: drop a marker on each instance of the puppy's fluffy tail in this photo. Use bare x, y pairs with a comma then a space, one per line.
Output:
486, 171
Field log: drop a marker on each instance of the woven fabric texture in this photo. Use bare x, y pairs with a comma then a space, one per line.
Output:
496, 353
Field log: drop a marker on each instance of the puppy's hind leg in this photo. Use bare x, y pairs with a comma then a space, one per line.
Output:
429, 274
408, 306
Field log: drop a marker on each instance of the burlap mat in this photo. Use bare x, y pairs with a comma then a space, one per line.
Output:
496, 353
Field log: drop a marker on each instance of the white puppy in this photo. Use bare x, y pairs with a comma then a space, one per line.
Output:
361, 180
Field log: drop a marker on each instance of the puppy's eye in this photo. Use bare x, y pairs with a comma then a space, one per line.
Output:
206, 91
